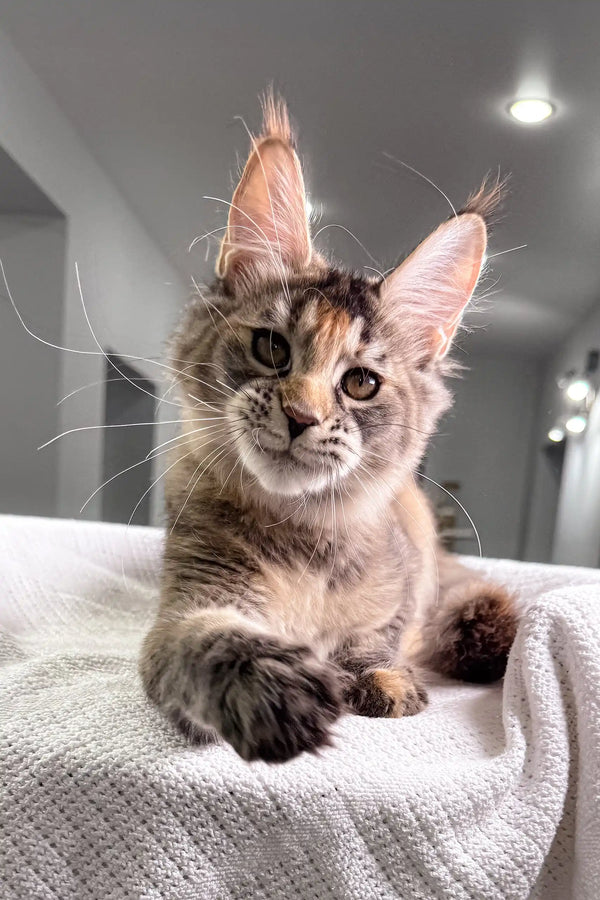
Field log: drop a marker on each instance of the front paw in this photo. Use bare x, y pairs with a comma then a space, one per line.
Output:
386, 693
268, 700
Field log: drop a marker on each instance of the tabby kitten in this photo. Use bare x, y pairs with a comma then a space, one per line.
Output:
302, 575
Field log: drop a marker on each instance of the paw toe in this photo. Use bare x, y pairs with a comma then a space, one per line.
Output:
387, 693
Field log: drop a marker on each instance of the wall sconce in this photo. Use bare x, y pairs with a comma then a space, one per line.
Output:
576, 424
556, 434
579, 390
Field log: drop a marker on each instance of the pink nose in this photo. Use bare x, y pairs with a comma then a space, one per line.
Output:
298, 421
300, 417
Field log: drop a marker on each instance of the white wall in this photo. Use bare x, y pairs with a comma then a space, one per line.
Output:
32, 249
132, 291
485, 443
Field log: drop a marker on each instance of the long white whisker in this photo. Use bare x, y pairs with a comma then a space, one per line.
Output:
219, 451
152, 455
347, 230
53, 346
104, 381
207, 234
217, 310
115, 425
204, 403
431, 544
177, 461
510, 250
202, 461
165, 395
293, 512
156, 480
238, 389
456, 500
425, 178
213, 388
278, 262
373, 269
317, 542
333, 528
236, 463
189, 433
101, 349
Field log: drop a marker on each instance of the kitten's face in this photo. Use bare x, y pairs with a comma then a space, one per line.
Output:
320, 386
298, 433
326, 388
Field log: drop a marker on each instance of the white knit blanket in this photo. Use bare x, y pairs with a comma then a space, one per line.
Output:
492, 792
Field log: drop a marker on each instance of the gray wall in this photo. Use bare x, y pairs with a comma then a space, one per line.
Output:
32, 249
564, 524
545, 480
132, 292
577, 531
485, 443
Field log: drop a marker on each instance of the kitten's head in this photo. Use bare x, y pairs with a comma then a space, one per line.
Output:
328, 379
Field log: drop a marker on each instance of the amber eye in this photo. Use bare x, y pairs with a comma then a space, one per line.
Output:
360, 384
270, 348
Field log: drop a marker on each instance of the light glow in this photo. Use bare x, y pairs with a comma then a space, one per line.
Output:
578, 390
531, 110
556, 435
576, 424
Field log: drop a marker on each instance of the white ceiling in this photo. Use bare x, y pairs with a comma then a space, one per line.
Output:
154, 86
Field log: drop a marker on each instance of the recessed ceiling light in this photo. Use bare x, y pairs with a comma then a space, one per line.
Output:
556, 434
531, 110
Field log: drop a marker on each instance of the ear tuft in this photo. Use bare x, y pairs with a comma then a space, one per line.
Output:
487, 200
268, 231
276, 120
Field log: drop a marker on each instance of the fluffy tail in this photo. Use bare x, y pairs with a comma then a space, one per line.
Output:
470, 632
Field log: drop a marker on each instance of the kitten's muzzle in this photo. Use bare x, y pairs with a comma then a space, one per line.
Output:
298, 420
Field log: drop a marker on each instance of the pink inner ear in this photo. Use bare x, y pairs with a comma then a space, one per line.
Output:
437, 280
268, 224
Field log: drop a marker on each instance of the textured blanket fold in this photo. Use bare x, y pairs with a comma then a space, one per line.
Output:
492, 792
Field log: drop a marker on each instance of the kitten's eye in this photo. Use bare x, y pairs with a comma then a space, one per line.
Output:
270, 348
360, 384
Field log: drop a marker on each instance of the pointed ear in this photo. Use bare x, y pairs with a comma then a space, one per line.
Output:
437, 280
267, 231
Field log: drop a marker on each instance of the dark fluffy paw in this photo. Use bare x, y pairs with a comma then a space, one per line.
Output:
268, 700
389, 693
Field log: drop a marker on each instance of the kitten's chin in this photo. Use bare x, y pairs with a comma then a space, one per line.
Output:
280, 474
286, 477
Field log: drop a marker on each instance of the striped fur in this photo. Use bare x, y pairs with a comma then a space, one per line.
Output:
302, 572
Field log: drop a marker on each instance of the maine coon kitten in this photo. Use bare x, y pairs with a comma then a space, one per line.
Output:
302, 576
